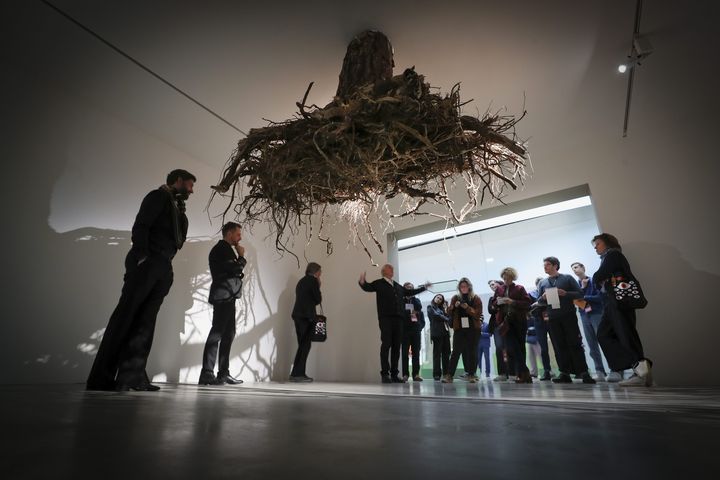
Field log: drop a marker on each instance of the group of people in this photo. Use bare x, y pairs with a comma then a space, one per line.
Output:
159, 231
516, 317
519, 323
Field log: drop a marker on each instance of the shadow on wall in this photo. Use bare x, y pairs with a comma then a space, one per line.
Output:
66, 307
676, 340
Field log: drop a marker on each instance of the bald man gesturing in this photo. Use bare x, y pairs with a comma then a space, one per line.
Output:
390, 307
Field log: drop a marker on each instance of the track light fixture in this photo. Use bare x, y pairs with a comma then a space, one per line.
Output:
641, 48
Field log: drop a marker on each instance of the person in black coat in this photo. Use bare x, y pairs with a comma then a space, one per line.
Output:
412, 335
226, 269
159, 231
390, 308
617, 332
439, 335
307, 298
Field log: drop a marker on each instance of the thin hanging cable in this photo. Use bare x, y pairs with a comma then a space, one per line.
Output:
136, 62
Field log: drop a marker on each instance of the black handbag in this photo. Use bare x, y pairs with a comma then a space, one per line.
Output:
626, 290
319, 333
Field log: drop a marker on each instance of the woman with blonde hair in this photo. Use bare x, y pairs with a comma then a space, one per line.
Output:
511, 302
465, 312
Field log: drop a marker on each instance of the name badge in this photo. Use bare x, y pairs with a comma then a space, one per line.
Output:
409, 307
464, 322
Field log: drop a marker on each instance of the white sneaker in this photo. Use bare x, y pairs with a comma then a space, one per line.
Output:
644, 369
634, 381
600, 377
614, 377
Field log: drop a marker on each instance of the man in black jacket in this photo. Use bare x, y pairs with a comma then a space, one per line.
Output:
226, 269
412, 335
390, 307
159, 231
307, 298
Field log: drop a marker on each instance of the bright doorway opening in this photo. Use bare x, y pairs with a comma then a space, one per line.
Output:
516, 235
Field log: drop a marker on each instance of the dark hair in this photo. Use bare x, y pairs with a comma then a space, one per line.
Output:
499, 282
229, 226
576, 263
441, 296
552, 260
179, 173
312, 268
610, 241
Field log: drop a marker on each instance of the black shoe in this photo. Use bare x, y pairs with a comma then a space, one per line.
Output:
386, 379
546, 376
586, 378
437, 379
397, 379
302, 379
143, 387
208, 379
227, 378
562, 378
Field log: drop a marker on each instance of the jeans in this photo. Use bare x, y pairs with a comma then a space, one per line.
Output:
591, 323
542, 330
220, 339
533, 352
484, 354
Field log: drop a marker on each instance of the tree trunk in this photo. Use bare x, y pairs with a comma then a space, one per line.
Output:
369, 59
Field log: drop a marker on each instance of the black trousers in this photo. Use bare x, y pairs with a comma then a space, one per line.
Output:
504, 366
390, 342
619, 338
568, 343
515, 344
464, 340
303, 329
411, 341
126, 343
441, 355
220, 339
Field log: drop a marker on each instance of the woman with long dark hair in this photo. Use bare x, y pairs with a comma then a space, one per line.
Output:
617, 332
465, 310
439, 335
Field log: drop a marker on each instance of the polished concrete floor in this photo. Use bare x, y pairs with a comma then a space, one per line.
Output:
327, 430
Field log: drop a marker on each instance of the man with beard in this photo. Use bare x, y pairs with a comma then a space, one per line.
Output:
159, 231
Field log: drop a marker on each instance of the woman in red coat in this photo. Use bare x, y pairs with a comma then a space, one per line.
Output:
512, 303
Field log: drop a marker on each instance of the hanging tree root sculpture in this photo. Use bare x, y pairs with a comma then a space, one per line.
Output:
381, 137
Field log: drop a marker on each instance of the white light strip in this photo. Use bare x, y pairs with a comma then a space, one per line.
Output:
495, 222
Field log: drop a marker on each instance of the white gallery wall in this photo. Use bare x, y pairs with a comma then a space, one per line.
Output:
85, 134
